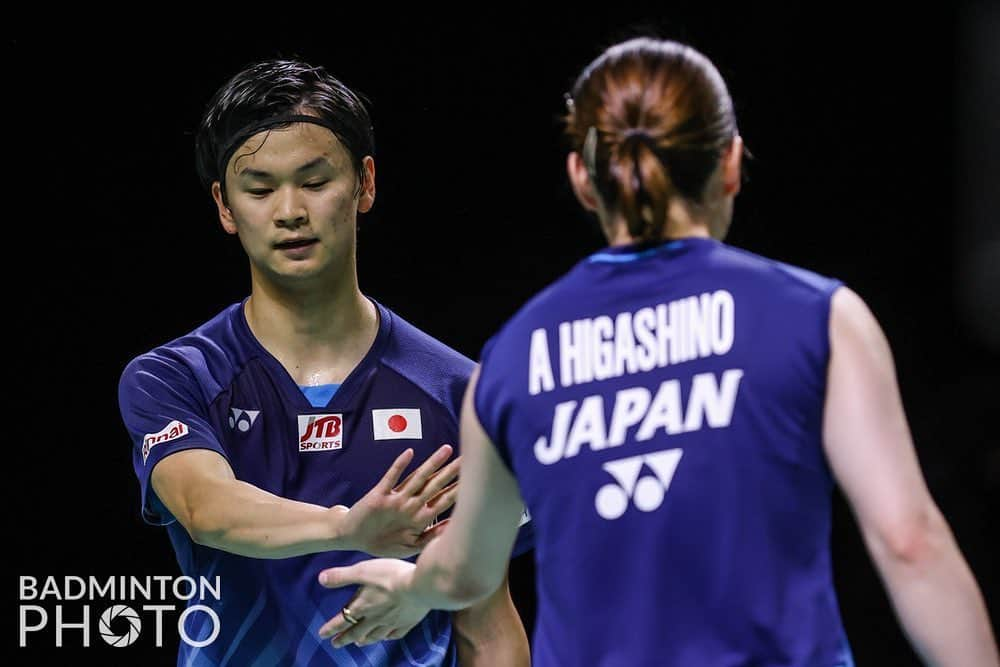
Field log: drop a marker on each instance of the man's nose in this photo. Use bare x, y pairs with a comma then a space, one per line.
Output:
289, 211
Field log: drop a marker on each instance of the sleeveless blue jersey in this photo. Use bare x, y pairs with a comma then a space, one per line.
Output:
217, 388
661, 407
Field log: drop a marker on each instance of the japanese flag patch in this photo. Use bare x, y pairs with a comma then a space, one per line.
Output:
397, 424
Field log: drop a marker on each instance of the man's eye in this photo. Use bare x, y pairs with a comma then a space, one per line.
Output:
316, 185
259, 191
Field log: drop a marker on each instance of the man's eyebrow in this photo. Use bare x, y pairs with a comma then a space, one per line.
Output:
258, 173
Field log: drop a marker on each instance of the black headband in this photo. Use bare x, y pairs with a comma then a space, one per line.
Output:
248, 131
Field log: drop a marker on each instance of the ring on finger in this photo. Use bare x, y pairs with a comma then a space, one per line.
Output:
349, 617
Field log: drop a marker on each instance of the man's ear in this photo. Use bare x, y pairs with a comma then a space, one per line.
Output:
367, 198
225, 214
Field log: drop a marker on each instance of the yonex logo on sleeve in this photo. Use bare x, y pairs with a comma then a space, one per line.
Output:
646, 492
242, 420
319, 433
171, 431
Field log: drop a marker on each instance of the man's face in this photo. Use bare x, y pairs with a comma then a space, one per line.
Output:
293, 200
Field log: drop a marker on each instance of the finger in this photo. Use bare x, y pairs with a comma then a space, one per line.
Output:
352, 634
433, 462
339, 622
376, 634
398, 633
440, 479
391, 475
416, 479
336, 626
431, 533
443, 500
337, 577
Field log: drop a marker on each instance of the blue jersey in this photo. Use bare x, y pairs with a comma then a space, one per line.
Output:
661, 408
219, 389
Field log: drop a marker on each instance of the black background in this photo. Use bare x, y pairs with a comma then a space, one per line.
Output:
112, 247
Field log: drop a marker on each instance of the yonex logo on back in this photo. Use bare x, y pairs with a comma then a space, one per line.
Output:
242, 420
645, 492
320, 432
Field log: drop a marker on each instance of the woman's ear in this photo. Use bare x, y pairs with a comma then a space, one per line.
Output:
579, 179
732, 163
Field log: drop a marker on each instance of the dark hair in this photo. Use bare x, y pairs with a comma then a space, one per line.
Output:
661, 118
272, 88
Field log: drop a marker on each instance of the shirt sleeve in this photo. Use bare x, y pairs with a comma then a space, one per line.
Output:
488, 402
490, 411
164, 412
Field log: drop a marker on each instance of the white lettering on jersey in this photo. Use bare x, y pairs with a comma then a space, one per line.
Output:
603, 347
539, 366
708, 401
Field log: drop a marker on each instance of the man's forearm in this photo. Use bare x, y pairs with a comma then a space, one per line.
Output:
448, 577
240, 518
491, 633
938, 601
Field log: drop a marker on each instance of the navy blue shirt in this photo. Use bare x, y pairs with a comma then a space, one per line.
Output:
217, 388
661, 408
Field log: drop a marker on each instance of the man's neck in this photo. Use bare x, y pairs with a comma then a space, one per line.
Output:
319, 336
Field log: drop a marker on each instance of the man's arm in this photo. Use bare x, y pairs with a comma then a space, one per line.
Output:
491, 633
199, 488
870, 450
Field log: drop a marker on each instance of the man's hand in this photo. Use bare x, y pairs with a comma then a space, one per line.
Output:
381, 608
394, 519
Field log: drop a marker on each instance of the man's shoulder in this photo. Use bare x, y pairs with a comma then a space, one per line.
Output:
409, 345
207, 355
438, 369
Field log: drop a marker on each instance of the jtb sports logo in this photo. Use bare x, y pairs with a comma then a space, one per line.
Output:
320, 432
171, 431
646, 492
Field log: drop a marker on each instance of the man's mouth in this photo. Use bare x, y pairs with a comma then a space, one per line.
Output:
294, 243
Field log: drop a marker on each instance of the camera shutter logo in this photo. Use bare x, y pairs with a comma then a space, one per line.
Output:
120, 611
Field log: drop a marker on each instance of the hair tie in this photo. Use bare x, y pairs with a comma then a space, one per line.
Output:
640, 134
